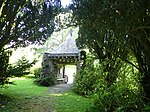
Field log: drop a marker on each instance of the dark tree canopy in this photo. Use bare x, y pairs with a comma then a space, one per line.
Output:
23, 22
117, 29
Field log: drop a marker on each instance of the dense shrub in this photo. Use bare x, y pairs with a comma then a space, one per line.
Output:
21, 67
37, 72
46, 81
117, 98
85, 81
124, 93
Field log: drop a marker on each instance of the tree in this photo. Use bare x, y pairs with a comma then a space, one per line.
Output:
121, 28
23, 22
21, 67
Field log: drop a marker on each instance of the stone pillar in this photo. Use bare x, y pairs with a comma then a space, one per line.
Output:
78, 64
44, 65
63, 71
78, 68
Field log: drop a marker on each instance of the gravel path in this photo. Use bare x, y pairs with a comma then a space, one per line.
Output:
57, 89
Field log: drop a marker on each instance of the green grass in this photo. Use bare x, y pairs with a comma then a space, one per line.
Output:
25, 96
71, 102
22, 88
21, 96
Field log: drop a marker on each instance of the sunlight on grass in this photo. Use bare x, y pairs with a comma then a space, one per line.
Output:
70, 102
22, 88
56, 94
16, 78
25, 96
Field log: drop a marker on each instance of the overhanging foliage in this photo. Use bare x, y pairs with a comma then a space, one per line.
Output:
118, 29
23, 22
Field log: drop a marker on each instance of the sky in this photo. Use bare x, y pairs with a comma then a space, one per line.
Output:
65, 2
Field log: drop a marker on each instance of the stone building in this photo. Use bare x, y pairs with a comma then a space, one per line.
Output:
66, 53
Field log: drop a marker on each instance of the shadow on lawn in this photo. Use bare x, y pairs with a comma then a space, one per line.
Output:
4, 99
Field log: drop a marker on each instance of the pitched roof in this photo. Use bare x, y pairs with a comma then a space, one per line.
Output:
69, 46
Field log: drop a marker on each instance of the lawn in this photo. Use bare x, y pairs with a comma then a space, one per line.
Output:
70, 102
25, 96
21, 96
22, 88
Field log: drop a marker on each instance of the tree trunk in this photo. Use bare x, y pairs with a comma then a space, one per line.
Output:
146, 86
143, 59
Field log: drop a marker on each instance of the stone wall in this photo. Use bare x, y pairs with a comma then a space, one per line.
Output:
49, 67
